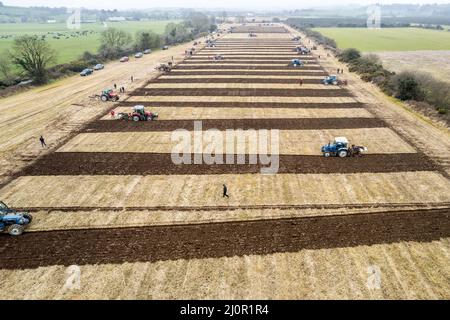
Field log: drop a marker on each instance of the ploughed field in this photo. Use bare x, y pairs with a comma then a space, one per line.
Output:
111, 200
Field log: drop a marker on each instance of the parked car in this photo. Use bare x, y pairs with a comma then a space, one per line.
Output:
99, 67
138, 55
124, 59
86, 72
165, 47
147, 51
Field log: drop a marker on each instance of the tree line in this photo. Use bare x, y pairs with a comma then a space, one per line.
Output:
420, 89
32, 55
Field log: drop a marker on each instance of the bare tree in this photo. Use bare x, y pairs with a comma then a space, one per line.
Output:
33, 55
114, 42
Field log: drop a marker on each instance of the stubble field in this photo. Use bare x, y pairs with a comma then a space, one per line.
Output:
154, 229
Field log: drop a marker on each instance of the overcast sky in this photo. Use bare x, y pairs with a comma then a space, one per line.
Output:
256, 4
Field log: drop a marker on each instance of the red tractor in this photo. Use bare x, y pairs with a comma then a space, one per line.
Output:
138, 114
109, 95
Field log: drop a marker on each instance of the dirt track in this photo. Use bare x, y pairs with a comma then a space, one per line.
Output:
98, 163
216, 240
221, 124
220, 92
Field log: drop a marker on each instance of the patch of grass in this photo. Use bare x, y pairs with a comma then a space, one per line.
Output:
73, 47
388, 39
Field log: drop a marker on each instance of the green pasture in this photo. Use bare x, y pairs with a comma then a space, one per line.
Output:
70, 46
388, 39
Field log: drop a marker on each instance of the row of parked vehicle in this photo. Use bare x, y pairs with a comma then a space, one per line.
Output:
137, 55
89, 71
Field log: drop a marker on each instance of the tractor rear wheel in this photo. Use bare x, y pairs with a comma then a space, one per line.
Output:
104, 98
342, 153
15, 230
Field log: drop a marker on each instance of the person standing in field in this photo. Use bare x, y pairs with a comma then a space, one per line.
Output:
42, 140
301, 82
225, 191
132, 79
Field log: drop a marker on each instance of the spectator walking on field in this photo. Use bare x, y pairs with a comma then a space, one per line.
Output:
225, 191
115, 86
301, 82
42, 140
132, 79
113, 113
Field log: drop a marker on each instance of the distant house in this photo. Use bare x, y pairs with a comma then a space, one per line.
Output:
51, 21
116, 19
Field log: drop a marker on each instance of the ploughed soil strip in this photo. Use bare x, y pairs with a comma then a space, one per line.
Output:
223, 124
216, 240
234, 92
252, 46
236, 80
259, 60
203, 53
242, 104
237, 73
248, 29
114, 163
240, 61
246, 67
254, 56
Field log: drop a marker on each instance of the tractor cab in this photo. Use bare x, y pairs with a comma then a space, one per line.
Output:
339, 148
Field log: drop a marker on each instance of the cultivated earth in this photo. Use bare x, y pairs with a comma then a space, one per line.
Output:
111, 207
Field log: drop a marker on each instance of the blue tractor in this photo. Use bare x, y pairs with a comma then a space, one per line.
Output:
331, 80
297, 63
12, 221
340, 148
